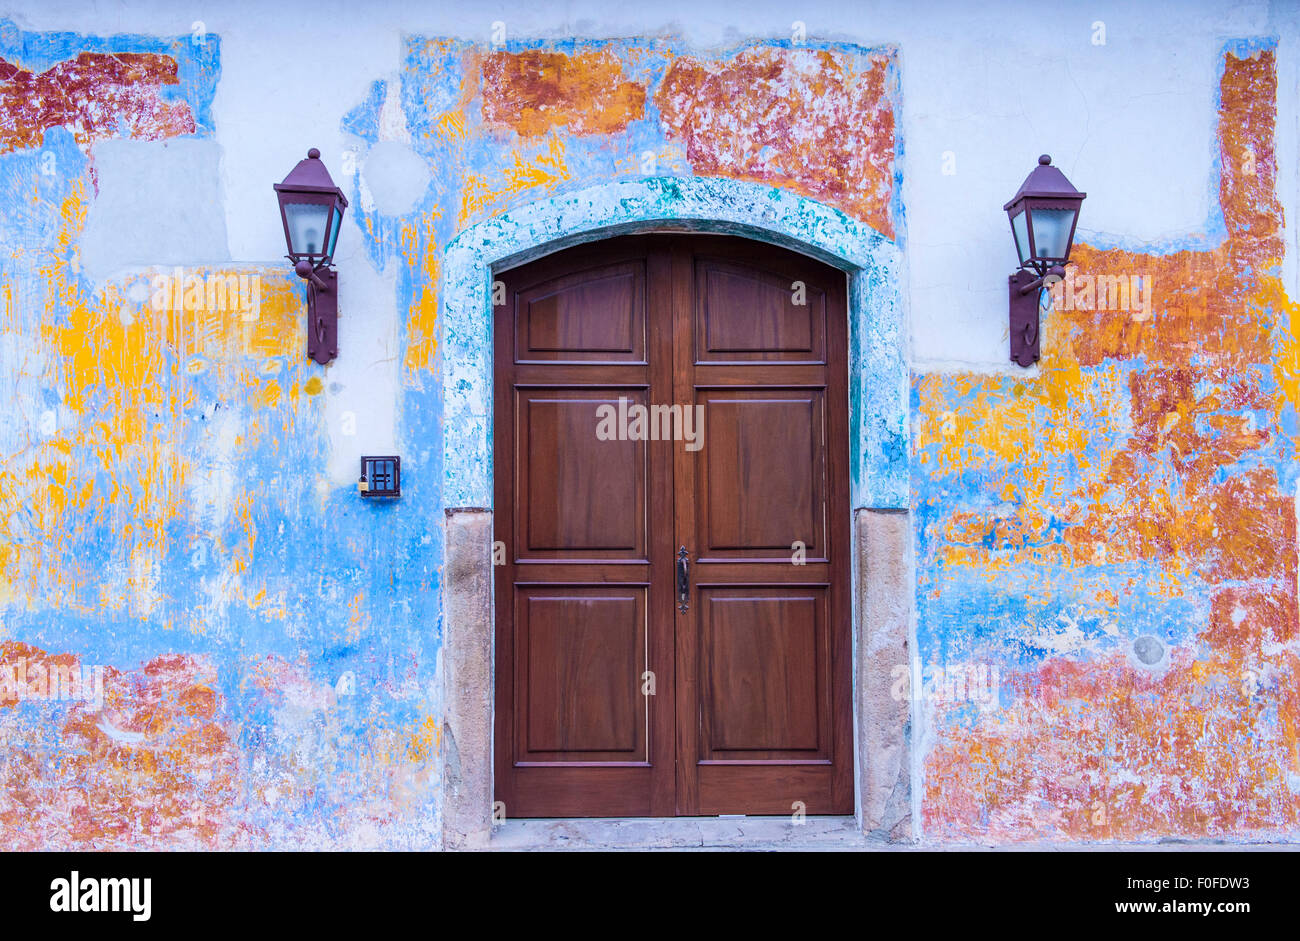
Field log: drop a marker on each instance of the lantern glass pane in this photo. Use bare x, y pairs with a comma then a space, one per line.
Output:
1020, 230
334, 229
1052, 232
306, 227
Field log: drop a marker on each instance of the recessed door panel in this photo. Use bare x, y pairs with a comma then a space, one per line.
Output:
749, 314
595, 315
582, 653
580, 495
765, 671
763, 474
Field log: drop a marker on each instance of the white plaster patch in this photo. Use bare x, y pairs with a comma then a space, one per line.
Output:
24, 362
361, 380
212, 487
139, 290
392, 119
396, 177
159, 203
120, 735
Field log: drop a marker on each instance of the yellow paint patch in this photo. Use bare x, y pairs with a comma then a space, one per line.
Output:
420, 251
356, 618
424, 744
544, 171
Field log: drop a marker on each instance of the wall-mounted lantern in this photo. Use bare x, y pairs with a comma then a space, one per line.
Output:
1043, 214
311, 208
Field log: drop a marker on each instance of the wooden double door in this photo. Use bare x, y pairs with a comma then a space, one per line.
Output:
672, 614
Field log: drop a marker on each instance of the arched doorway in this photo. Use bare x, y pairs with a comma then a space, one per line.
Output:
885, 799
673, 627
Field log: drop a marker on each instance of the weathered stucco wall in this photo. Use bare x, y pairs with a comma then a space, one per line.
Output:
1105, 611
1107, 551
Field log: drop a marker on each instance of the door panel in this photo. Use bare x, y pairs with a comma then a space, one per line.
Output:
762, 474
747, 315
578, 495
765, 667
615, 697
594, 315
582, 651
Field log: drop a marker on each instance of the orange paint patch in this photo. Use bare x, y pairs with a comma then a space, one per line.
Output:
540, 172
533, 92
420, 251
123, 367
424, 744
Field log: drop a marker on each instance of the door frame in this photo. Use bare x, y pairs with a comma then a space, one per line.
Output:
885, 796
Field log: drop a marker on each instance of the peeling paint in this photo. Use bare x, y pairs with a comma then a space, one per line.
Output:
534, 91
813, 121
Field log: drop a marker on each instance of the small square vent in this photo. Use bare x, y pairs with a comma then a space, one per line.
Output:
381, 476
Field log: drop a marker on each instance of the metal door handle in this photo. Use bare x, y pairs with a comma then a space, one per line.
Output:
683, 580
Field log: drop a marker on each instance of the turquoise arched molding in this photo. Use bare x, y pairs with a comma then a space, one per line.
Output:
878, 374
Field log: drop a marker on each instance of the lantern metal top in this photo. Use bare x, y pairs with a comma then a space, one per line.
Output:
1045, 182
310, 176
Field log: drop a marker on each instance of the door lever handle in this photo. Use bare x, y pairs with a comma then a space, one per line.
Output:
683, 580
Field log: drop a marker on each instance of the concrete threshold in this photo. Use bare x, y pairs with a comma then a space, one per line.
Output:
776, 834
680, 833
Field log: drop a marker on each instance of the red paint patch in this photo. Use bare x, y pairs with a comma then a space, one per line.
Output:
154, 768
1107, 752
96, 96
805, 120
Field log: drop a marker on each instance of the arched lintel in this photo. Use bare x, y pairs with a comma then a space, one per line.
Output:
879, 381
